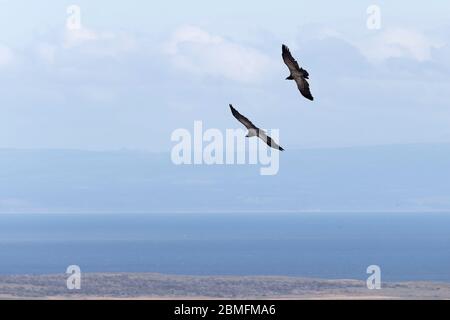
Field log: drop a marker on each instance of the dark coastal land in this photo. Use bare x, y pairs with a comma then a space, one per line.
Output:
159, 286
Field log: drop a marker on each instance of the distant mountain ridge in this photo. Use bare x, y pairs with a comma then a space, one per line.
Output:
380, 178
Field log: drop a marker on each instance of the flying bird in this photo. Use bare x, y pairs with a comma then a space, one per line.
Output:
254, 131
298, 74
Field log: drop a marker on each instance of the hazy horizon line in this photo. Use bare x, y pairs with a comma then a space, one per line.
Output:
142, 150
350, 211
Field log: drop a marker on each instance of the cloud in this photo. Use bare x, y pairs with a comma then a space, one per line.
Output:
399, 43
337, 54
96, 89
197, 51
98, 42
6, 56
76, 37
442, 56
81, 44
46, 52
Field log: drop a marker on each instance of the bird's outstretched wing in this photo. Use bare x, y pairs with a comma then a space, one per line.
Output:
256, 131
268, 140
303, 86
247, 123
289, 60
298, 74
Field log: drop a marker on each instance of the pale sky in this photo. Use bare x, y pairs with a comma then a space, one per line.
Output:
138, 70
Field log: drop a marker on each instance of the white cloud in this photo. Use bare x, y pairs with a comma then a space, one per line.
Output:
195, 50
46, 52
97, 42
76, 37
399, 43
6, 56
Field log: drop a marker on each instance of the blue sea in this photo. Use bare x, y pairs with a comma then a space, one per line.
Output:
406, 246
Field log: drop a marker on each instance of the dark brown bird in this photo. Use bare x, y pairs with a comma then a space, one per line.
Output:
299, 75
254, 131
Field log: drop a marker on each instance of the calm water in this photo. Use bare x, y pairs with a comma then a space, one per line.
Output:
405, 246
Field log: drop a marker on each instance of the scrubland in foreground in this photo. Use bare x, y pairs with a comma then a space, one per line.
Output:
159, 286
